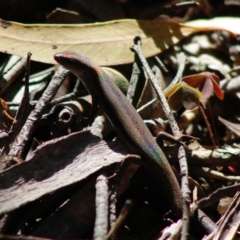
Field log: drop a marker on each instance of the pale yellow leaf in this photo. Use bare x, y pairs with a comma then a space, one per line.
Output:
106, 43
229, 23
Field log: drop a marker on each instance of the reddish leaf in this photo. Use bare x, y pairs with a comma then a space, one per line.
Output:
207, 88
206, 82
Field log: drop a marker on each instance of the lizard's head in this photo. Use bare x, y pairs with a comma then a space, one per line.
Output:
81, 66
72, 61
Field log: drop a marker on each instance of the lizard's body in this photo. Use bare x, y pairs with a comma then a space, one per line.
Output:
125, 120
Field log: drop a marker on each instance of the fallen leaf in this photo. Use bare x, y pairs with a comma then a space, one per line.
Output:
181, 94
234, 127
106, 43
206, 82
231, 24
42, 174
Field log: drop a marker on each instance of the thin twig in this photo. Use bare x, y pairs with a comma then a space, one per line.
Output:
206, 222
21, 115
122, 216
213, 174
133, 82
21, 237
161, 64
112, 206
26, 132
178, 77
201, 109
181, 152
10, 75
161, 97
23, 109
101, 220
67, 97
229, 223
168, 8
217, 195
146, 105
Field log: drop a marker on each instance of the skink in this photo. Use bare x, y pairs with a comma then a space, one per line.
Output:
125, 120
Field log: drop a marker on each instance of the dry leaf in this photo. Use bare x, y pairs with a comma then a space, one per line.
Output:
106, 43
229, 23
181, 94
234, 127
206, 82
